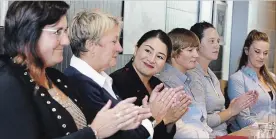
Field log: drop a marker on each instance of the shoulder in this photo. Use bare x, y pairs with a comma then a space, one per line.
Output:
8, 80
236, 76
119, 74
70, 71
165, 75
195, 75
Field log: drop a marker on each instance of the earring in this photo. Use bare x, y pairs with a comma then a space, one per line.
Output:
132, 59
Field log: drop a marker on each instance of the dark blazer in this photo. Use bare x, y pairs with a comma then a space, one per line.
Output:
128, 84
95, 97
29, 112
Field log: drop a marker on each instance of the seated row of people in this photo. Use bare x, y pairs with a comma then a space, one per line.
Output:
165, 91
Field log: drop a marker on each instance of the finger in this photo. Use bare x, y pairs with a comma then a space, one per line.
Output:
179, 89
126, 115
168, 95
185, 103
144, 110
122, 106
126, 102
106, 106
183, 111
129, 100
126, 123
161, 94
158, 88
145, 101
246, 103
144, 116
168, 103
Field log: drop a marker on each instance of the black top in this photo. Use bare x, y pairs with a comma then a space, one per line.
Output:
95, 97
29, 112
128, 84
271, 95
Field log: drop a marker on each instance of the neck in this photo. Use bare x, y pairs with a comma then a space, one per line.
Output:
204, 63
92, 62
179, 67
143, 78
40, 77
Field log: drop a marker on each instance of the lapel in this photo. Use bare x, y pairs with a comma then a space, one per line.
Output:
136, 85
102, 92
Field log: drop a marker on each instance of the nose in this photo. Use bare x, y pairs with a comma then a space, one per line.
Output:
152, 58
64, 40
262, 56
119, 48
195, 53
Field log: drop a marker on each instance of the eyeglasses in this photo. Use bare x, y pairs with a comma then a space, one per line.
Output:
57, 32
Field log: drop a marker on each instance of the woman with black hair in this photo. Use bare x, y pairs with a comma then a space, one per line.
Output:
38, 102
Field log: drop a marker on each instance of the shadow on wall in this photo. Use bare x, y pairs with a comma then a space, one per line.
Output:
1, 39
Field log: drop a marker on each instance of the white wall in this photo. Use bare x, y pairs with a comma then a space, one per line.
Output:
3, 10
181, 14
140, 17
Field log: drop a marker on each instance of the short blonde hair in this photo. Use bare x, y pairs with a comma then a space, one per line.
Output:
90, 26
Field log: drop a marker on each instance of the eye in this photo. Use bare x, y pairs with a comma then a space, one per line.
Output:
114, 41
190, 50
160, 57
148, 51
257, 51
212, 41
66, 30
58, 32
265, 53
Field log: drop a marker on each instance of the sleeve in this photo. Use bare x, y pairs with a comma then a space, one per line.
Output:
160, 132
235, 89
213, 120
85, 133
16, 111
94, 101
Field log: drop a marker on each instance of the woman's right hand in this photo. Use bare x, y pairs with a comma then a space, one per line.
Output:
108, 121
242, 102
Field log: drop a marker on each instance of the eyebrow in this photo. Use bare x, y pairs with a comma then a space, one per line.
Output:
153, 49
260, 49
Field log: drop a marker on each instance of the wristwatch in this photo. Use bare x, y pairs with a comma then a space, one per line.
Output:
153, 121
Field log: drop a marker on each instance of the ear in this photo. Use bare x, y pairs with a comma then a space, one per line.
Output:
246, 50
135, 50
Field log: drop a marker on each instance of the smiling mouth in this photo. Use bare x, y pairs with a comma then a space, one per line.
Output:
149, 66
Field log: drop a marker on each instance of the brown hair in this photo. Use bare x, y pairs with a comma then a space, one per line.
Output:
256, 35
23, 27
182, 38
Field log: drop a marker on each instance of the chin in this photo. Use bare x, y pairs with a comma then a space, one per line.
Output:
112, 64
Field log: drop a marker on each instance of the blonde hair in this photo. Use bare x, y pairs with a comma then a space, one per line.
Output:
90, 26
